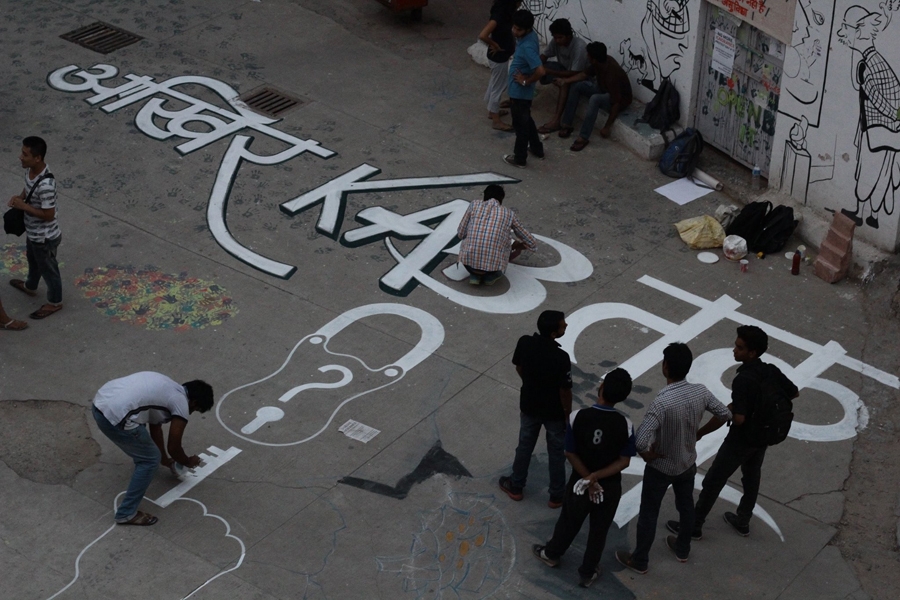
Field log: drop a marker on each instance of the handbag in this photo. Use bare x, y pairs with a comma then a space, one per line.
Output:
14, 218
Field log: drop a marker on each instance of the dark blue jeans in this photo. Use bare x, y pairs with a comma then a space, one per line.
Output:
730, 456
654, 489
526, 131
529, 431
42, 263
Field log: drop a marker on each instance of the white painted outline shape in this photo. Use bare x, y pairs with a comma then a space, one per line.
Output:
212, 461
432, 336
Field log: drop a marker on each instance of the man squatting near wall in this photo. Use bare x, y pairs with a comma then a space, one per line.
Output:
666, 440
545, 400
526, 69
570, 52
739, 448
38, 202
599, 445
607, 87
124, 407
485, 234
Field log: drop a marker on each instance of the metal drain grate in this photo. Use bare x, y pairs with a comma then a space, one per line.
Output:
101, 37
270, 101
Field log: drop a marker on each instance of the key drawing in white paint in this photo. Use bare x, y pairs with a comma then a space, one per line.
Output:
206, 513
709, 367
239, 410
213, 458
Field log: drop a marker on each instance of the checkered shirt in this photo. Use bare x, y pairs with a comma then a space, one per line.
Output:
485, 234
671, 425
879, 92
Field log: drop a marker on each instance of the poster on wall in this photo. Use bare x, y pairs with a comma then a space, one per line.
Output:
723, 53
775, 17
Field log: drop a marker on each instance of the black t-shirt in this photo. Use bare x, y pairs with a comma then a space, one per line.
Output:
502, 33
545, 369
599, 435
745, 390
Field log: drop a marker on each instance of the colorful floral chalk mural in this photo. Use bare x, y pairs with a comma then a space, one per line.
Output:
156, 300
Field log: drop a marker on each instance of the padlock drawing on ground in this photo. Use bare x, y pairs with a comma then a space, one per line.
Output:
303, 397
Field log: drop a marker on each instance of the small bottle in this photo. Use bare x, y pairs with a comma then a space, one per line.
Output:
795, 263
756, 178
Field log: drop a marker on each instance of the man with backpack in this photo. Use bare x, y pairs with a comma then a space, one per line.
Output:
761, 404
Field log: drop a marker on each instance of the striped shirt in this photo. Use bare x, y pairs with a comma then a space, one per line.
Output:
37, 229
671, 423
486, 241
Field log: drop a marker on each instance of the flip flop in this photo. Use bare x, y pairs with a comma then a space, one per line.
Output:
502, 127
14, 325
20, 285
548, 128
565, 132
141, 519
502, 113
505, 104
45, 311
578, 145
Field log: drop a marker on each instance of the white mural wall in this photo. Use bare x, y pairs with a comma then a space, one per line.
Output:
652, 39
838, 131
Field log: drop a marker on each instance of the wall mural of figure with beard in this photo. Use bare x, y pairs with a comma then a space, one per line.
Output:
878, 133
665, 28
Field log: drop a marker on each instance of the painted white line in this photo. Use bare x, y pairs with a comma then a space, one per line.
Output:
215, 459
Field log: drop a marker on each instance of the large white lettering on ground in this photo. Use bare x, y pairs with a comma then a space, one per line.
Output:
709, 367
170, 113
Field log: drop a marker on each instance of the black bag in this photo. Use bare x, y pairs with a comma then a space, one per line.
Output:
664, 109
777, 227
771, 420
749, 222
681, 156
14, 218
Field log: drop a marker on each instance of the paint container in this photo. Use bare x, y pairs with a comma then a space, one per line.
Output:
745, 265
802, 250
795, 263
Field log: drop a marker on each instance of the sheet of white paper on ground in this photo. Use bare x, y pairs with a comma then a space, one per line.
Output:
682, 191
358, 431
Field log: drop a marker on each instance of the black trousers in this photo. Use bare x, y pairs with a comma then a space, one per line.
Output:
526, 131
574, 511
732, 455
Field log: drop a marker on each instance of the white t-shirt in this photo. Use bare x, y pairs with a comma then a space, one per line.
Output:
142, 398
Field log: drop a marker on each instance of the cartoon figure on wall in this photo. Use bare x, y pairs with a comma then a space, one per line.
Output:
664, 28
633, 62
878, 133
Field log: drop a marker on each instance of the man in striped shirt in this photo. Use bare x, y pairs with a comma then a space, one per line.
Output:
666, 440
485, 234
38, 201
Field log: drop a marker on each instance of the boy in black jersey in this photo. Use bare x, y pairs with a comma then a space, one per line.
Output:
599, 445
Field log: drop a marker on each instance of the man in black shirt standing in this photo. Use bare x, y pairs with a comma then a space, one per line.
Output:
738, 450
545, 400
599, 445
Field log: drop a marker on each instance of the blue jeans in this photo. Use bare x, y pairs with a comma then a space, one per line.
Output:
596, 101
137, 444
552, 66
42, 263
654, 488
529, 431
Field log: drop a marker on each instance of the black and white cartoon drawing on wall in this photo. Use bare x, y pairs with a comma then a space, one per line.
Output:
664, 28
547, 11
806, 61
633, 62
878, 132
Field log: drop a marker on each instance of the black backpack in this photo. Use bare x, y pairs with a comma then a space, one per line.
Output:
14, 218
771, 420
777, 227
681, 156
749, 222
664, 109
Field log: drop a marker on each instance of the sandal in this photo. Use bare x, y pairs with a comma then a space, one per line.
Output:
565, 132
14, 325
547, 128
141, 519
20, 285
505, 104
45, 311
502, 127
578, 145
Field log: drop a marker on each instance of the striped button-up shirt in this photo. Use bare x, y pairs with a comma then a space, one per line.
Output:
485, 234
671, 423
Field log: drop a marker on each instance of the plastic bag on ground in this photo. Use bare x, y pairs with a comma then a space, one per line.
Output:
734, 247
701, 232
